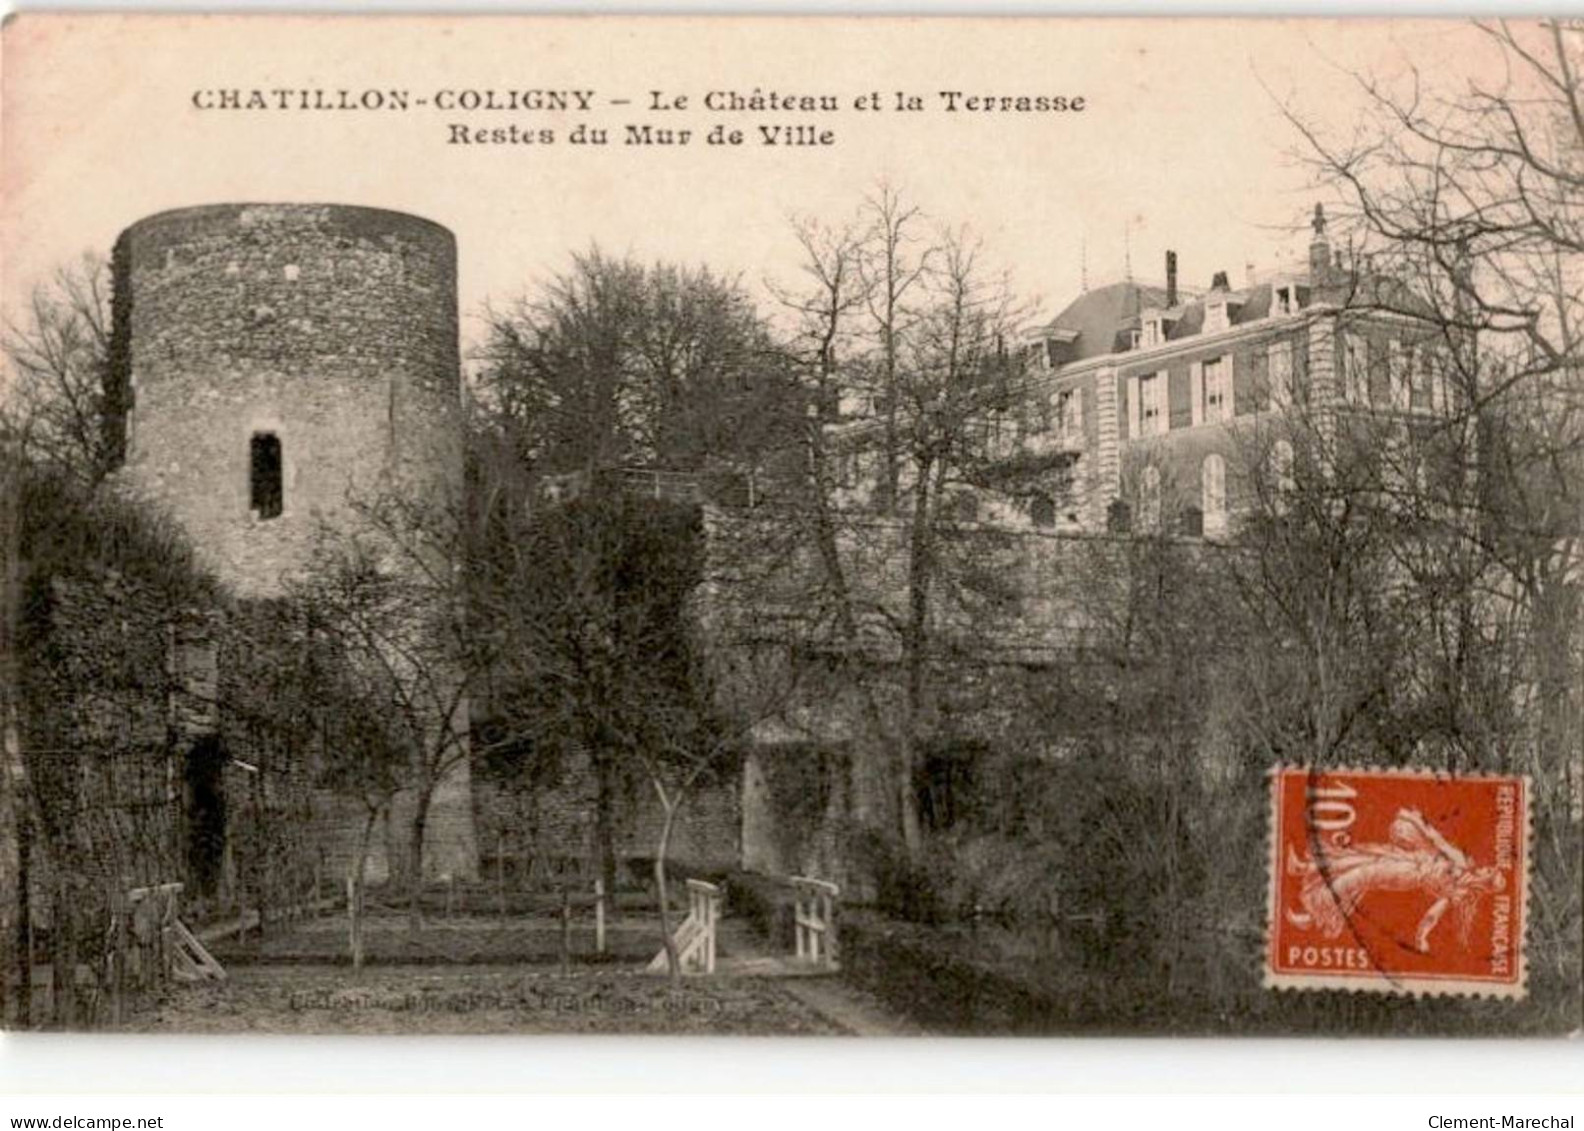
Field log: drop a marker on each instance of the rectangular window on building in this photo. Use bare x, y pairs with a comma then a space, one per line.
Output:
1281, 374
1355, 369
264, 475
1215, 317
1425, 390
1153, 419
1000, 434
1069, 409
1039, 414
1218, 388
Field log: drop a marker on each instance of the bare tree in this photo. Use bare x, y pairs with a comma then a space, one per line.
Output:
701, 736
893, 267
393, 597
902, 347
608, 375
58, 353
1469, 195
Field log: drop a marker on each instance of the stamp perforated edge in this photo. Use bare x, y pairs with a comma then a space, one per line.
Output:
1379, 983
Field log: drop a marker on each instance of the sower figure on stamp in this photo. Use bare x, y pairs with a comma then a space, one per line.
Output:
1417, 858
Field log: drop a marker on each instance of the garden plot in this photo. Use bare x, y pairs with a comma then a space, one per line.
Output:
478, 999
536, 940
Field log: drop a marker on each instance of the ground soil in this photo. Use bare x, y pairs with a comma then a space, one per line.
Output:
479, 999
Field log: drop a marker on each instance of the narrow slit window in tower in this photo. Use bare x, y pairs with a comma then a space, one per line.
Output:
265, 477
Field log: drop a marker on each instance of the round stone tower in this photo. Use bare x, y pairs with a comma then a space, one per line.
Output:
271, 365
283, 360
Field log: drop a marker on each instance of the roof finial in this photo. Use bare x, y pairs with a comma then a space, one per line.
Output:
1083, 265
1127, 249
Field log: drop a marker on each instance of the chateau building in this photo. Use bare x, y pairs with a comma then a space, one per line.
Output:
1151, 404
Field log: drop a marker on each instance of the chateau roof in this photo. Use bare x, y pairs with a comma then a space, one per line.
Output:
1098, 316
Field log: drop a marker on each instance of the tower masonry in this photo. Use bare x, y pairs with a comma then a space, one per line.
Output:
273, 364
281, 361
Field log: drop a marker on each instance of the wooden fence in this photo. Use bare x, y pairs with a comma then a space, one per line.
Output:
814, 920
695, 938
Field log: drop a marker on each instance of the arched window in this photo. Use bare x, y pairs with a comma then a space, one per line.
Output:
1150, 498
1213, 492
264, 475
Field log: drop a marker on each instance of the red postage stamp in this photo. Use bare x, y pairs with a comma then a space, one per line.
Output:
1398, 881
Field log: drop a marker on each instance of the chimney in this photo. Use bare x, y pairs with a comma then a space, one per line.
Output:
1171, 279
1219, 282
1319, 249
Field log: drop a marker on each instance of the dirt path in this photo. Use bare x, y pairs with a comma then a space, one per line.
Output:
843, 1005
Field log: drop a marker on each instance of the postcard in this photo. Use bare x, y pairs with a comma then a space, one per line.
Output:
792, 525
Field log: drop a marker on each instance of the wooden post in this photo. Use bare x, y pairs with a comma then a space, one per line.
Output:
599, 916
712, 911
813, 930
566, 931
118, 912
164, 910
64, 957
830, 927
354, 928
500, 874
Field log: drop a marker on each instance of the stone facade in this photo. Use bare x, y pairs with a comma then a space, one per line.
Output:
333, 329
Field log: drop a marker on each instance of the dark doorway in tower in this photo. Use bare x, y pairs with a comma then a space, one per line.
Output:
206, 814
265, 474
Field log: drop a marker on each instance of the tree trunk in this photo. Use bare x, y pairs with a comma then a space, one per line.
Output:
15, 810
914, 647
359, 880
23, 942
605, 817
415, 873
65, 957
673, 960
260, 853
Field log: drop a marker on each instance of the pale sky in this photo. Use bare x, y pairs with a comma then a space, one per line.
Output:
1180, 144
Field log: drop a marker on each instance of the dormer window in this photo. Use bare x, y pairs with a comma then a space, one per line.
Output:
1216, 317
1153, 335
1284, 300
